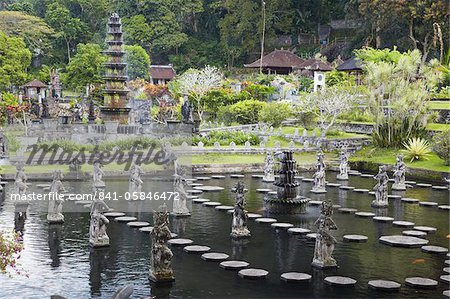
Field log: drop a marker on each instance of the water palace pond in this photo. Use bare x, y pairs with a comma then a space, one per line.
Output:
59, 260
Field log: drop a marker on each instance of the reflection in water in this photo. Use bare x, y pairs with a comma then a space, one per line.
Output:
97, 262
342, 197
54, 243
179, 225
285, 250
20, 215
238, 246
160, 291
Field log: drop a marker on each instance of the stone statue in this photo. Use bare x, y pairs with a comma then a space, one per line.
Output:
45, 108
35, 109
325, 242
399, 174
135, 181
144, 112
269, 175
55, 204
20, 180
180, 208
97, 229
3, 145
91, 114
343, 166
381, 188
319, 175
161, 255
239, 225
77, 113
186, 112
97, 176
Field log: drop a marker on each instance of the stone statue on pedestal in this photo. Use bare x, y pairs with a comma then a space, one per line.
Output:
20, 180
319, 175
343, 166
97, 176
55, 204
180, 208
269, 175
239, 225
161, 255
325, 242
135, 181
187, 112
97, 229
399, 174
381, 189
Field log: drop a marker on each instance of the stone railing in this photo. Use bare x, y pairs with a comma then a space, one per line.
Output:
246, 128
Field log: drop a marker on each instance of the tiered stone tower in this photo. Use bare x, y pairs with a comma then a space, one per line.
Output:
115, 91
287, 200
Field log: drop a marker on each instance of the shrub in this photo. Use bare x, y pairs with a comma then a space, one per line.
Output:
417, 149
246, 112
225, 138
274, 113
441, 145
10, 249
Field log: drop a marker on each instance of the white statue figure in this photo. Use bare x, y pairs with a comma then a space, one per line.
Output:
319, 175
343, 166
97, 229
239, 225
20, 180
135, 181
269, 175
97, 176
381, 188
161, 255
180, 208
55, 204
325, 242
399, 174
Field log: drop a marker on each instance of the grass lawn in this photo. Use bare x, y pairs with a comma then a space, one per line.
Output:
217, 158
437, 127
291, 130
387, 156
439, 105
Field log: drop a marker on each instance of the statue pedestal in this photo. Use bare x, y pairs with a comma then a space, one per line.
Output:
268, 179
379, 204
55, 218
330, 263
240, 233
342, 177
318, 190
161, 277
399, 187
180, 215
99, 242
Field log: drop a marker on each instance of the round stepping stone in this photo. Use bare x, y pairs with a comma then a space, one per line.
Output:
341, 281
214, 256
146, 229
383, 218
83, 202
253, 216
448, 254
347, 210
346, 188
195, 184
298, 177
434, 249
409, 200
446, 269
384, 285
125, 219
427, 229
447, 262
371, 192
257, 176
446, 293
200, 200
444, 207
410, 182
361, 190
308, 180
366, 175
138, 224
253, 273
87, 205
440, 188
42, 185
114, 214
311, 236
421, 282
402, 241
236, 176
272, 192
336, 206
196, 249
203, 178
365, 214
403, 223
180, 242
209, 188
423, 185
354, 172
191, 196
315, 202
414, 233
393, 196
355, 238
428, 203
298, 230
233, 265
333, 185
194, 191
212, 204
265, 220
295, 277
218, 177
262, 190
173, 235
224, 208
282, 225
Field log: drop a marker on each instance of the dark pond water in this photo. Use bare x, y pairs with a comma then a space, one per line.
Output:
59, 260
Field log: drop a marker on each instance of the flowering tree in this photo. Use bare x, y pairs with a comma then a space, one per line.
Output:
328, 104
10, 248
197, 83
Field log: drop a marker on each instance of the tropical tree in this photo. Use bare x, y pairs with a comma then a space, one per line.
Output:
138, 62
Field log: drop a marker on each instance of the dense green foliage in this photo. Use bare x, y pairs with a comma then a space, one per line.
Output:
14, 60
224, 138
442, 145
274, 113
244, 112
138, 62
